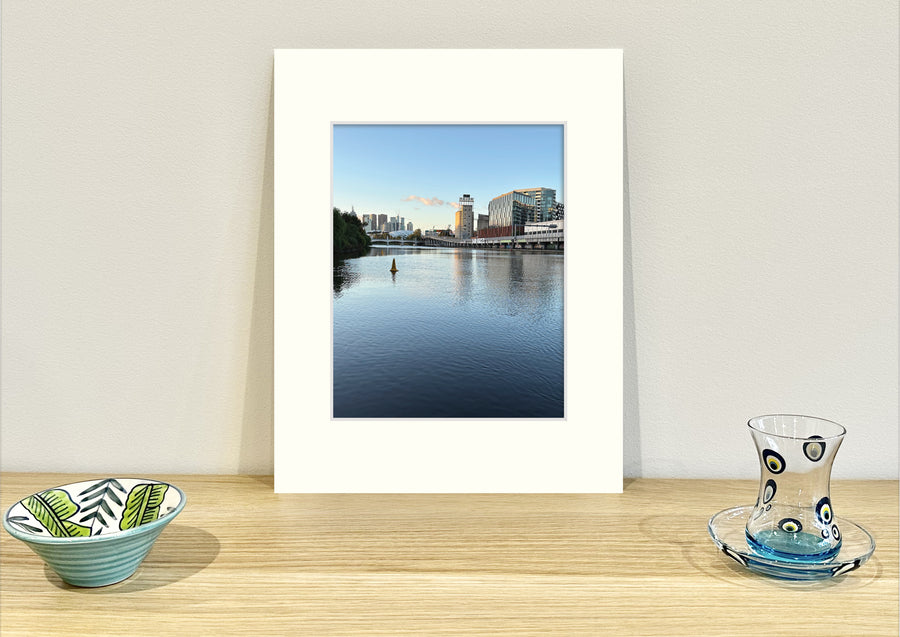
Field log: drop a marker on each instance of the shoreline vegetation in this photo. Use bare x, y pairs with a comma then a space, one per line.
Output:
350, 237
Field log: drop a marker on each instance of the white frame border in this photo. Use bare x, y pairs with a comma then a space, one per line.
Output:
581, 454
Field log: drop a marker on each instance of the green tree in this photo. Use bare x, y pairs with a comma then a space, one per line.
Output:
349, 235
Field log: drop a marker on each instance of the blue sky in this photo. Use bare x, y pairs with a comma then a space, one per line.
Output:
420, 171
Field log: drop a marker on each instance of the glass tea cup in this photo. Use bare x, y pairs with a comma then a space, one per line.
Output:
793, 518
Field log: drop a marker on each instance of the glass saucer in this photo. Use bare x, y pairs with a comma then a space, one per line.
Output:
727, 529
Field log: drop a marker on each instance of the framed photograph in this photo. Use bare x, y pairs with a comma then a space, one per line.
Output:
469, 338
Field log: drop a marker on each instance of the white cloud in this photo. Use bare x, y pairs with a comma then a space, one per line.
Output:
434, 201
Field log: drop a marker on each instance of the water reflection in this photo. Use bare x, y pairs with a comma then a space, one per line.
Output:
462, 275
454, 333
343, 277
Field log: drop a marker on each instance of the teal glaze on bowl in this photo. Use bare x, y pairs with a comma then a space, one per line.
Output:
95, 532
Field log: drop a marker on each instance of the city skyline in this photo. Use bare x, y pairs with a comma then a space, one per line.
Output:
420, 171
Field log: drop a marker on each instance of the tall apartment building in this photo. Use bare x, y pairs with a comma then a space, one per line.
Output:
544, 202
513, 208
559, 211
382, 222
465, 217
482, 223
396, 223
409, 226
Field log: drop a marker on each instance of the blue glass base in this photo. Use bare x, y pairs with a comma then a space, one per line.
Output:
728, 529
793, 547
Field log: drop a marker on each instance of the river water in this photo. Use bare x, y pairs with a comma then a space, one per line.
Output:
455, 333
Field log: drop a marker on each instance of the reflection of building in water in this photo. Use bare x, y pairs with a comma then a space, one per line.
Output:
518, 283
463, 262
464, 217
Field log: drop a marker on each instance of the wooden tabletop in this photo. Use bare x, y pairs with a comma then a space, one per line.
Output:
241, 560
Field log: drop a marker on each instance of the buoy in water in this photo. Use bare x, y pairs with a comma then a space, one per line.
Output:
394, 265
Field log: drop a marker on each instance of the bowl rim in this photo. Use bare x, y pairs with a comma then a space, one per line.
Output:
33, 538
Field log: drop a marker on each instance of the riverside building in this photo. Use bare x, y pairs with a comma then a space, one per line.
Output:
514, 208
544, 202
465, 217
559, 212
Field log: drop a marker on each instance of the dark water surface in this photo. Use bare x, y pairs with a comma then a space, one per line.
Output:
455, 333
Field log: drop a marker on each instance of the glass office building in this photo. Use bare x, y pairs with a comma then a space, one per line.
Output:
544, 201
513, 208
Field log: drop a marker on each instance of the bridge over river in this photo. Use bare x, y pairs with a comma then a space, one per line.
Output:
396, 242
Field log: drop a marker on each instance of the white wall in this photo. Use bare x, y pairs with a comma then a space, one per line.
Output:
761, 220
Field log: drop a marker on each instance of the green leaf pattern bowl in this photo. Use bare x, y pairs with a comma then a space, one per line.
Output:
95, 532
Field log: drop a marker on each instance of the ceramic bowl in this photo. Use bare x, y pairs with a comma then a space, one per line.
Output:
95, 532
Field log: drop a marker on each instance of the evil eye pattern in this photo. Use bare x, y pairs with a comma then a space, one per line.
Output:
773, 461
823, 511
814, 449
769, 491
846, 568
740, 559
790, 525
835, 531
825, 534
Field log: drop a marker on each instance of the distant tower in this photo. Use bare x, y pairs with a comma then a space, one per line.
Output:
465, 217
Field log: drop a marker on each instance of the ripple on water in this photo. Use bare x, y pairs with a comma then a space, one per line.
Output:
452, 334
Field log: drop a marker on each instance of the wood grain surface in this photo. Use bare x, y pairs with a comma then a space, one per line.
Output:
241, 560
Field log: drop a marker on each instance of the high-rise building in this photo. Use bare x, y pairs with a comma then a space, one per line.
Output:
465, 217
482, 223
382, 222
396, 223
409, 226
513, 208
559, 211
544, 202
